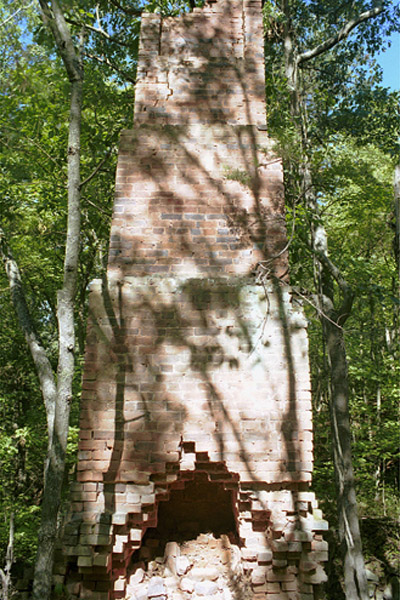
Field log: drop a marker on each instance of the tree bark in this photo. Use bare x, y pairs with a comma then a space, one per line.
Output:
332, 319
341, 35
56, 392
55, 461
396, 242
355, 579
5, 576
42, 364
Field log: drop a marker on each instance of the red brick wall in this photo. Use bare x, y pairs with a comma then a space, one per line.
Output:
205, 67
197, 361
192, 368
197, 201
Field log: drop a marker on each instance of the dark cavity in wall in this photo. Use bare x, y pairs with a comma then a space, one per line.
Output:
196, 506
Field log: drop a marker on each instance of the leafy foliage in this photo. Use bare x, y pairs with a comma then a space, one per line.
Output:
357, 200
353, 147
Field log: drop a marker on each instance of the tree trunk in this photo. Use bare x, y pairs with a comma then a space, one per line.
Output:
332, 321
57, 396
55, 462
396, 241
5, 576
355, 579
42, 364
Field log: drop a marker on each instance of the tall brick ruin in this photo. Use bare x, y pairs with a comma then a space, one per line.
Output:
196, 416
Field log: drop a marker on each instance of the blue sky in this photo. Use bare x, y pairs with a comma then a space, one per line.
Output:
390, 63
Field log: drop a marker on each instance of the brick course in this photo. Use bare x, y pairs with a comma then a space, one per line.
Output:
192, 368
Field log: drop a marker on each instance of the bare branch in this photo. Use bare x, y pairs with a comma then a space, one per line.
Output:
348, 295
97, 30
16, 12
97, 168
98, 14
42, 363
342, 33
316, 307
102, 211
54, 19
106, 61
101, 31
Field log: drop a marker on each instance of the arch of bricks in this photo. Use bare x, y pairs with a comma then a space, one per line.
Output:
191, 366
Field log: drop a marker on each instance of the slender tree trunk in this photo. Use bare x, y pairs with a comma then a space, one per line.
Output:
396, 241
55, 462
355, 580
332, 321
42, 364
5, 576
57, 393
57, 396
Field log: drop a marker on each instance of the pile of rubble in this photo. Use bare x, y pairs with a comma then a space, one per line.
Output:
206, 567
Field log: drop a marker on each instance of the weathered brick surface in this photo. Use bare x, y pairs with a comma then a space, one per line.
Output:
197, 201
197, 361
192, 368
205, 67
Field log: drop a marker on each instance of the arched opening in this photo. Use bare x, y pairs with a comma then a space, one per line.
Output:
195, 540
194, 506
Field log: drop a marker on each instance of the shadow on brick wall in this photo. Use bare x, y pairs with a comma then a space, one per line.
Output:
196, 361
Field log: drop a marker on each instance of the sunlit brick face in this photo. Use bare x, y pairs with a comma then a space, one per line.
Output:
196, 404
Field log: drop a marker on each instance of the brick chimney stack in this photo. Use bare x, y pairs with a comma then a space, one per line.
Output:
196, 395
